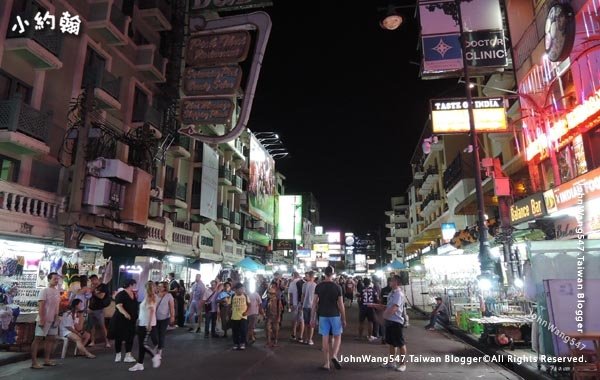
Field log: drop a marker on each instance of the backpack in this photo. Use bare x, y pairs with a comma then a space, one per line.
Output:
299, 285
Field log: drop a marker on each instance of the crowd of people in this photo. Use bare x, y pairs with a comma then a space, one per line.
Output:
147, 311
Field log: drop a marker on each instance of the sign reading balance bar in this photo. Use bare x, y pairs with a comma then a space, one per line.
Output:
528, 209
452, 115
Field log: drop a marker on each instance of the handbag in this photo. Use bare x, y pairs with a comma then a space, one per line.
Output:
208, 304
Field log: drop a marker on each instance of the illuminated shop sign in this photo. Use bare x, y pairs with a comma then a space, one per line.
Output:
528, 209
568, 194
321, 247
452, 115
579, 115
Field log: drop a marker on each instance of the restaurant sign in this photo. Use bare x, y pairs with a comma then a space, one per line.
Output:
201, 81
452, 116
582, 189
218, 49
206, 111
528, 209
284, 244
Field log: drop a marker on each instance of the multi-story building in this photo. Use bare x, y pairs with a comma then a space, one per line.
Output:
142, 183
398, 227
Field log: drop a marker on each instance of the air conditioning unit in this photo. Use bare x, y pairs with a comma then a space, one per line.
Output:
104, 193
227, 231
156, 193
116, 169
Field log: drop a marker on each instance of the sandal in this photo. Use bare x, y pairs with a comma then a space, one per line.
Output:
50, 364
36, 366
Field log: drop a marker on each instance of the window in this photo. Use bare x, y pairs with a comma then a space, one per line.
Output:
592, 150
94, 65
170, 173
9, 169
11, 87
140, 105
566, 164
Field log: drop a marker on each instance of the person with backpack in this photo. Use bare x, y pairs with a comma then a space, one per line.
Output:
100, 300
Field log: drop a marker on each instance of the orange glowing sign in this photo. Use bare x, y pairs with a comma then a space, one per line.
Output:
452, 115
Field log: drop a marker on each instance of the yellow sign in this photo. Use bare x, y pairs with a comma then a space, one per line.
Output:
321, 247
452, 116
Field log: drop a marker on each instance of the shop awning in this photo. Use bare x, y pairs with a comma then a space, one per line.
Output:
424, 239
468, 206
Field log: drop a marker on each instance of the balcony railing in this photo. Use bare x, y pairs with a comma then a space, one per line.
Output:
108, 82
175, 190
117, 17
16, 116
460, 168
429, 198
147, 114
51, 40
235, 218
239, 182
223, 212
29, 202
225, 173
183, 141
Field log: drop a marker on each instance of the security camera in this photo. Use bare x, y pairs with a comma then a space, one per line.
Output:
468, 149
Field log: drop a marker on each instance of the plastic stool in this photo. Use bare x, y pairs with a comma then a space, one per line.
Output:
65, 347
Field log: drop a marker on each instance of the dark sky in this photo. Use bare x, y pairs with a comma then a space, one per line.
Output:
348, 105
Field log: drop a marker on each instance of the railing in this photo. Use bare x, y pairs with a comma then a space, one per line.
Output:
29, 201
15, 115
183, 236
456, 171
401, 225
531, 37
432, 170
235, 218
111, 84
224, 173
51, 40
223, 213
156, 230
158, 61
162, 5
175, 190
429, 198
239, 183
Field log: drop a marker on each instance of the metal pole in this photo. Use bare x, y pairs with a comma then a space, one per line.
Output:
485, 261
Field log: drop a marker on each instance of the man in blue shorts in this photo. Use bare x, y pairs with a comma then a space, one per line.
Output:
328, 303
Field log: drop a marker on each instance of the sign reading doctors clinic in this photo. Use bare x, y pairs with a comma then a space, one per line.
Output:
486, 48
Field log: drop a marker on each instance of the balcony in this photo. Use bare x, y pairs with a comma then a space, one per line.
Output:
402, 233
23, 129
224, 176
430, 204
236, 147
235, 218
531, 37
223, 215
431, 177
150, 64
182, 239
155, 13
40, 48
419, 172
175, 194
148, 114
180, 147
236, 185
106, 22
460, 168
107, 90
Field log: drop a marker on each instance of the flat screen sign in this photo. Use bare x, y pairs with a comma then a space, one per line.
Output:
452, 115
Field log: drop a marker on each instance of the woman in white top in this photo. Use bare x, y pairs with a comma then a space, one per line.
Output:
71, 326
147, 327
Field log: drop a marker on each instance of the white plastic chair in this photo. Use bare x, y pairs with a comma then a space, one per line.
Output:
66, 346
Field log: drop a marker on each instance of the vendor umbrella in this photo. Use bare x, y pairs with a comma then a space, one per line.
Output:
396, 264
249, 264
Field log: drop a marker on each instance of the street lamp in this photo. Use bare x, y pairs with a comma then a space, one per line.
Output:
392, 19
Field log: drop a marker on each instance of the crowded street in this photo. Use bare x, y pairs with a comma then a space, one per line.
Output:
190, 353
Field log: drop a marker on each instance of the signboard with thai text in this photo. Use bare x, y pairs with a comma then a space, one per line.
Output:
218, 49
452, 116
228, 5
284, 244
528, 209
206, 111
201, 81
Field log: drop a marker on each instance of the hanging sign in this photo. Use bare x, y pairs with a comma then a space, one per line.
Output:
218, 49
452, 115
222, 80
486, 48
206, 111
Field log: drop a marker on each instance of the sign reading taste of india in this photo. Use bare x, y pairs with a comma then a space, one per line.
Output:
452, 115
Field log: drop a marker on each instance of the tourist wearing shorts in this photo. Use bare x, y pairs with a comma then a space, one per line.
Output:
100, 300
328, 303
308, 295
47, 321
394, 322
254, 311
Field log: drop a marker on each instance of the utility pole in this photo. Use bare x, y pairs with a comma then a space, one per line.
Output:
78, 182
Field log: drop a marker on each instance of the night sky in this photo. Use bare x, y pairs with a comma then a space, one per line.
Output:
348, 104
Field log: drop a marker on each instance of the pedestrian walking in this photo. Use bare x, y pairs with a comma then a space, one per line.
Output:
366, 297
179, 296
122, 324
308, 295
224, 300
328, 304
47, 321
100, 300
273, 309
211, 308
349, 287
165, 314
240, 303
146, 329
394, 323
254, 311
195, 309
294, 294
72, 328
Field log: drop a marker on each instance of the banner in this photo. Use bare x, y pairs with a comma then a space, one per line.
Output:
452, 115
261, 189
289, 218
209, 183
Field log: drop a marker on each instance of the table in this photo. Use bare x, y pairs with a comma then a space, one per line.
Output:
594, 336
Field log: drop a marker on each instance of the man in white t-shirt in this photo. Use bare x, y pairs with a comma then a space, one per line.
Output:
47, 322
253, 311
294, 307
308, 295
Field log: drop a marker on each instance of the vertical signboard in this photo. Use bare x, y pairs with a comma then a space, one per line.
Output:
261, 189
289, 218
209, 183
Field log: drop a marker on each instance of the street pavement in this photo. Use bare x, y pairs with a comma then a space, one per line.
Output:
189, 355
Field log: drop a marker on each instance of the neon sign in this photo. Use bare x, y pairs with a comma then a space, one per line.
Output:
573, 119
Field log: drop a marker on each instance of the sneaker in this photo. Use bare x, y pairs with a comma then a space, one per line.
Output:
107, 345
91, 344
311, 343
118, 358
137, 367
130, 359
235, 348
389, 365
401, 368
372, 339
156, 361
243, 347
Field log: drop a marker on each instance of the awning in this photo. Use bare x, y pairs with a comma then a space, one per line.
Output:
468, 206
424, 239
